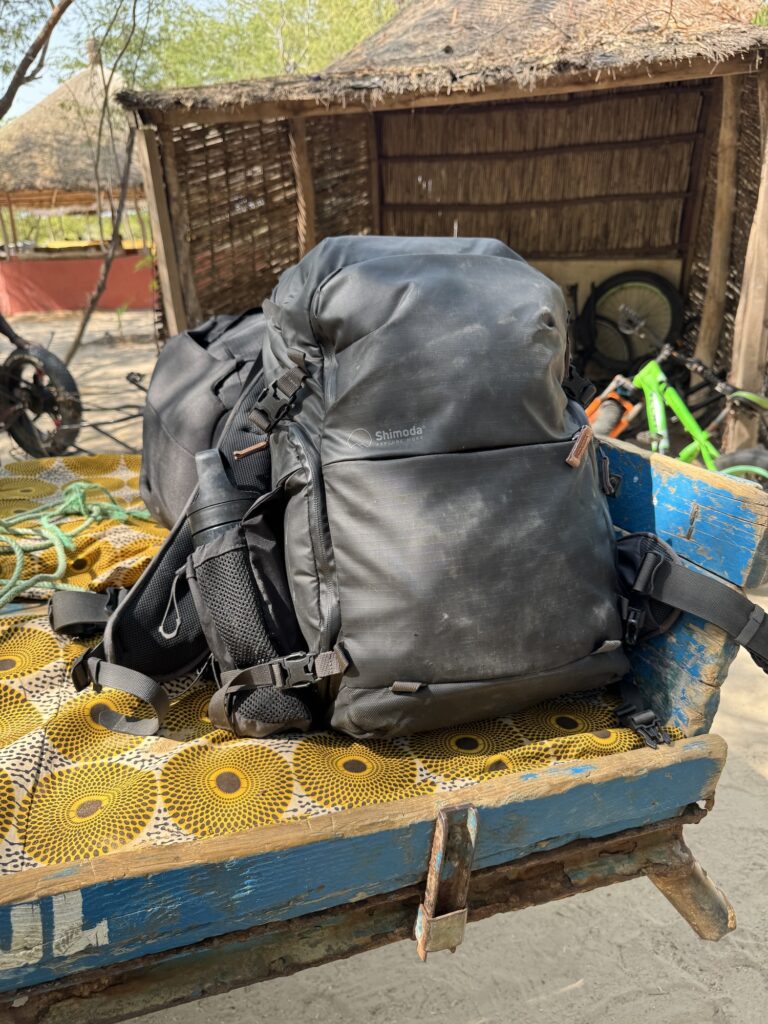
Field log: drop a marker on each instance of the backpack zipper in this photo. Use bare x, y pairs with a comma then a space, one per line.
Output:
329, 584
581, 441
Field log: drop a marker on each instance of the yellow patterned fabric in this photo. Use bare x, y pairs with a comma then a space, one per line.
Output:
71, 790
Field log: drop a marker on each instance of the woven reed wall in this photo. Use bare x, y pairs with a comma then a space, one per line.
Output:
239, 195
605, 174
338, 152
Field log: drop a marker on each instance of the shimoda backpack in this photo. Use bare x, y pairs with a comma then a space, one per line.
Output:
405, 523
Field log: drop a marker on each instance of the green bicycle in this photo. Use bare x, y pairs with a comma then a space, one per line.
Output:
613, 412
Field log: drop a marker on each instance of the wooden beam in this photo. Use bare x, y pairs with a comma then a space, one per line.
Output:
527, 154
366, 100
14, 250
374, 172
282, 948
711, 328
180, 226
305, 186
707, 128
750, 335
168, 269
523, 204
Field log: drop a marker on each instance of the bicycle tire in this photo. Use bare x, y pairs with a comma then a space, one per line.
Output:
745, 459
52, 392
605, 300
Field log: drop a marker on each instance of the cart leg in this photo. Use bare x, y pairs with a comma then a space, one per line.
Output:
693, 895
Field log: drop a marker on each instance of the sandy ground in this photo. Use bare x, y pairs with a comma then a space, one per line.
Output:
112, 348
617, 956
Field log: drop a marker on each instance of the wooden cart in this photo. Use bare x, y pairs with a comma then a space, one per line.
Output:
140, 930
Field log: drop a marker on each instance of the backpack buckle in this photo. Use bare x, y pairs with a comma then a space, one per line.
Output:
79, 671
644, 723
299, 670
633, 623
277, 398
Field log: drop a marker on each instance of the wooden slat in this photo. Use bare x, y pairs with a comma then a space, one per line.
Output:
122, 906
529, 154
706, 134
528, 204
713, 315
305, 186
750, 333
717, 524
179, 218
374, 173
256, 954
162, 231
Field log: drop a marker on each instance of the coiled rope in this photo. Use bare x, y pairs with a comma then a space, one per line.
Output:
77, 502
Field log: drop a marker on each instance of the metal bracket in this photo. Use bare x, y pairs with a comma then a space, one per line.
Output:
442, 916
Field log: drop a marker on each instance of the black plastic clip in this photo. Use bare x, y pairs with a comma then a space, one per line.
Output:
277, 398
633, 624
299, 670
644, 723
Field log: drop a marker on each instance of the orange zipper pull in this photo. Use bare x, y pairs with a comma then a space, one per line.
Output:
581, 442
252, 448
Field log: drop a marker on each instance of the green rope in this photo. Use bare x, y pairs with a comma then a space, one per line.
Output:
21, 541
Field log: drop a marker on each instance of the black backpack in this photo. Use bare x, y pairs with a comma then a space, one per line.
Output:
198, 377
407, 527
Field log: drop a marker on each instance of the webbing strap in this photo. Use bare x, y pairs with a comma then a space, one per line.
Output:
290, 672
117, 677
275, 400
82, 612
709, 599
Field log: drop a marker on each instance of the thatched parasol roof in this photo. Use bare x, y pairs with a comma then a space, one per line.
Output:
438, 46
51, 148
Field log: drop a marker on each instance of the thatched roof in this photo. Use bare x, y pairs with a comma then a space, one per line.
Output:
438, 46
52, 146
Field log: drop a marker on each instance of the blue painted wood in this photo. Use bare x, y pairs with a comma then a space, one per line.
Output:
712, 521
134, 917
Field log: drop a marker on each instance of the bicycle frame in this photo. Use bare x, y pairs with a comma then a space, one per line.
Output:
659, 396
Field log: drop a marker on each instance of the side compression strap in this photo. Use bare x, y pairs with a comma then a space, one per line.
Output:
82, 612
104, 673
709, 599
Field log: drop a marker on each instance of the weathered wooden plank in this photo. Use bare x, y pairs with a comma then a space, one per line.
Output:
162, 230
320, 863
281, 948
713, 521
712, 317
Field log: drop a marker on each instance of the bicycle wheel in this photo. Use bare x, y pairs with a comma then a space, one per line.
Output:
640, 298
746, 463
40, 401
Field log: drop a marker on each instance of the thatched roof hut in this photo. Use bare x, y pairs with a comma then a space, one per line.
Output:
590, 135
48, 154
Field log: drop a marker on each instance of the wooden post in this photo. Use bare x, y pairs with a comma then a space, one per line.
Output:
750, 335
180, 226
711, 329
14, 250
305, 186
374, 174
160, 218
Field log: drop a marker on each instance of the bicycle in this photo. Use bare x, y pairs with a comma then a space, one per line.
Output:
41, 407
649, 390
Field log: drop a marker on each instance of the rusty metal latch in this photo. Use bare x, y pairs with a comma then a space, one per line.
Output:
442, 916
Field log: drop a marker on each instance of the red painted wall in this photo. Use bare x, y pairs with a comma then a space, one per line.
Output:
43, 285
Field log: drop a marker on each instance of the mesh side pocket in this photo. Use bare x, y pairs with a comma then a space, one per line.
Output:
228, 602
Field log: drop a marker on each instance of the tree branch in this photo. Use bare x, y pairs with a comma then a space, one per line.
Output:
21, 75
114, 245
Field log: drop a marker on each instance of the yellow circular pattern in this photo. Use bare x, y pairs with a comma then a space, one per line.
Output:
86, 810
209, 789
18, 716
18, 495
568, 716
337, 772
189, 715
465, 751
77, 733
7, 803
25, 649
